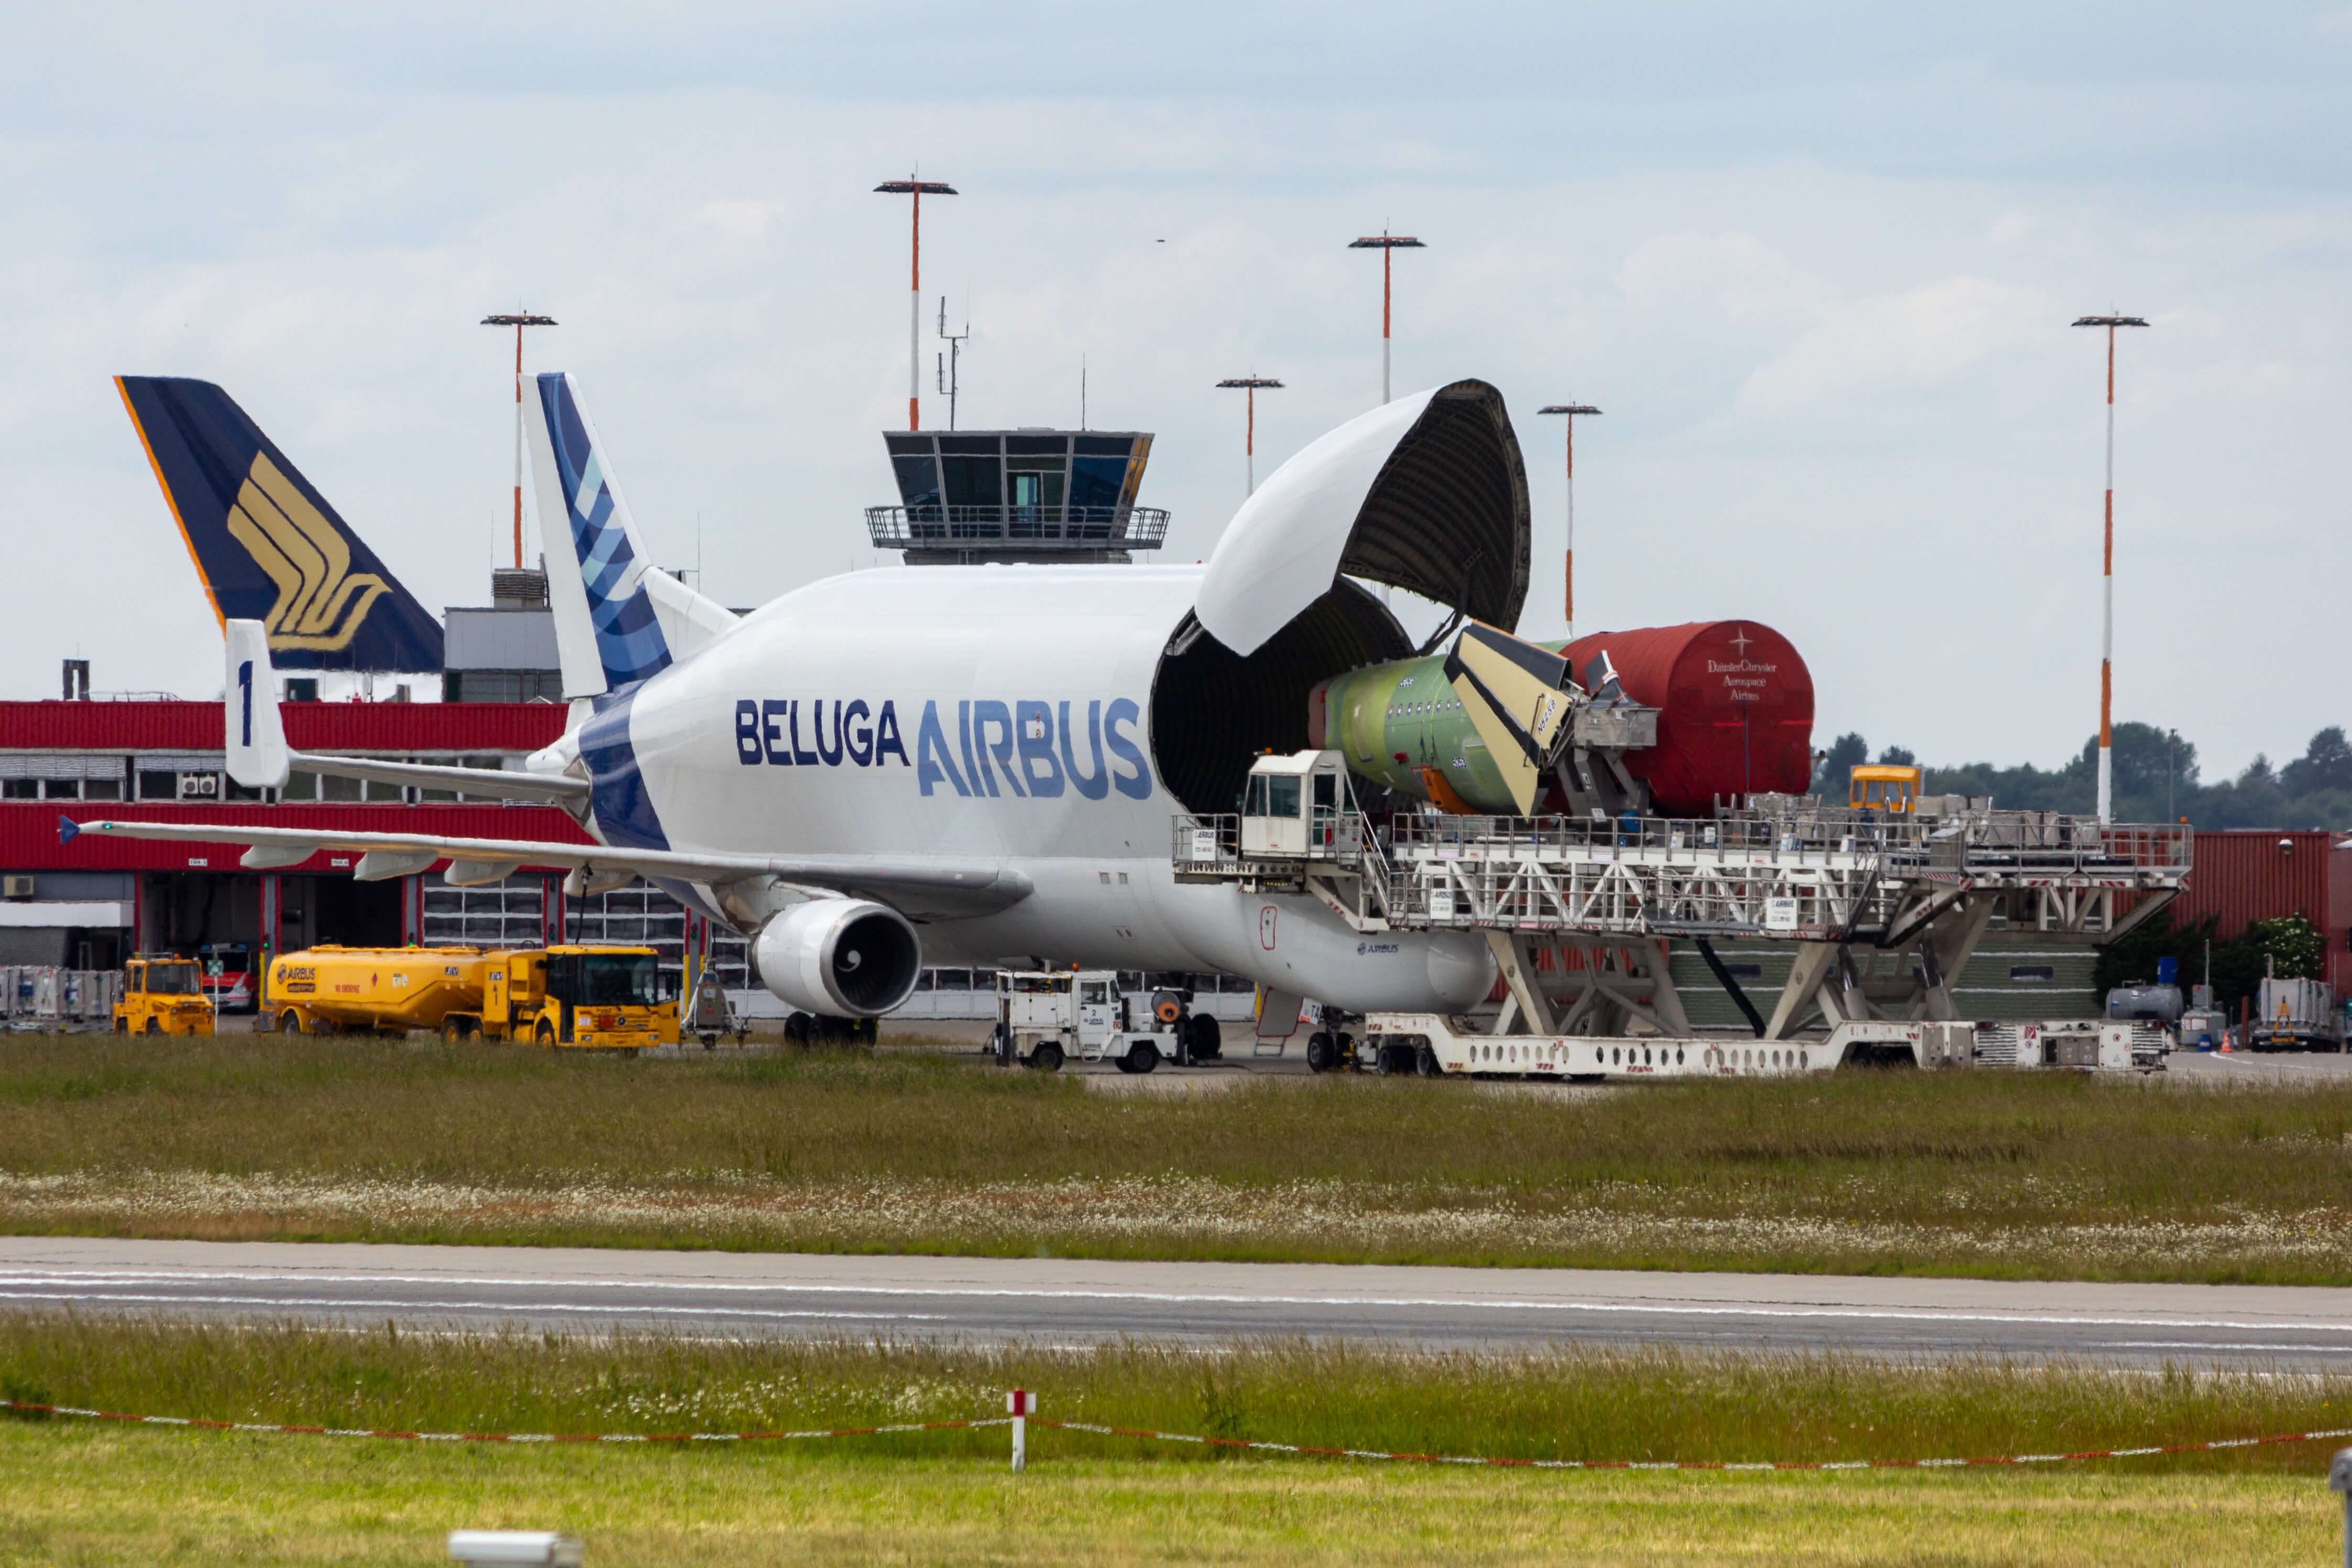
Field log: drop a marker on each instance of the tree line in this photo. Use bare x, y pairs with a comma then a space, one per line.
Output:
2156, 779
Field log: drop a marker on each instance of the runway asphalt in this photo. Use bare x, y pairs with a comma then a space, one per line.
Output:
1073, 1301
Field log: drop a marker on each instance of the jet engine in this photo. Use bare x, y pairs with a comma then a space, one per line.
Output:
844, 958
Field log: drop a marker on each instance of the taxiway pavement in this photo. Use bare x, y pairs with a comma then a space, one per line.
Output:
1079, 1302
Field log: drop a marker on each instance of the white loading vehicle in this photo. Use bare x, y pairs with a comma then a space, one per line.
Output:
1044, 1017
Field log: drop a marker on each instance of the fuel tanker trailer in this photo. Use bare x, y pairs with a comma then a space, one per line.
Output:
1664, 719
587, 996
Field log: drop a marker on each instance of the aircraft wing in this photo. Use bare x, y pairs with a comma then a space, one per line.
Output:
921, 888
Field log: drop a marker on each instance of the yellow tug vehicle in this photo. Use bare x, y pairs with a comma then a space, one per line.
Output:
574, 996
163, 995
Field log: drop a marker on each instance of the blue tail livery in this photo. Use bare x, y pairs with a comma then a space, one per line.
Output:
266, 545
606, 633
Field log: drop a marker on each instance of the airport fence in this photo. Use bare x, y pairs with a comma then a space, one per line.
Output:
1023, 1403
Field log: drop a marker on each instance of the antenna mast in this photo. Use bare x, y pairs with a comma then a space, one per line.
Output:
948, 366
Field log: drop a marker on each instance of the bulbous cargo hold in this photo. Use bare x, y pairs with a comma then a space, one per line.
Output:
1735, 709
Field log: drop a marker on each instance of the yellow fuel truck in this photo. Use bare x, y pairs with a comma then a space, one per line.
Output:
592, 997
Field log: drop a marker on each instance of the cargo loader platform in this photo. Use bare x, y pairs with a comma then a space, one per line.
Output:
1885, 910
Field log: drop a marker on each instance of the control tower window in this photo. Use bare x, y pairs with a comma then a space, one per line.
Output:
973, 481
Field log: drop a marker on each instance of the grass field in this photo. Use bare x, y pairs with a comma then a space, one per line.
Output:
83, 1493
1985, 1173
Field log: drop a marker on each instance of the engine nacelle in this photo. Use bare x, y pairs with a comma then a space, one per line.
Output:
843, 957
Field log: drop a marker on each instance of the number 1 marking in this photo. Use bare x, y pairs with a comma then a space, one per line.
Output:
245, 689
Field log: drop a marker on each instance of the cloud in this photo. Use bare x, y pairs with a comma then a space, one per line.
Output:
1922, 342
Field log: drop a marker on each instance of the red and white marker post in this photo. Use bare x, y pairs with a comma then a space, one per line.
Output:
1021, 1403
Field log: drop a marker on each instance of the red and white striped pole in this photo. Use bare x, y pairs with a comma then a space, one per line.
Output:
916, 189
1249, 385
2107, 581
518, 319
1020, 1404
1569, 411
1387, 244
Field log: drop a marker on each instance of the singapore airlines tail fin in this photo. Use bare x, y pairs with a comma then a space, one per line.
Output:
266, 544
618, 619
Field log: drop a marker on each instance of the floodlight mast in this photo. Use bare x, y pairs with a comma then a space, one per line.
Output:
1388, 245
2107, 581
1249, 385
916, 189
1570, 412
518, 320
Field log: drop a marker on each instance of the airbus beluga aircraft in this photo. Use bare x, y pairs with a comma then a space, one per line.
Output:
965, 766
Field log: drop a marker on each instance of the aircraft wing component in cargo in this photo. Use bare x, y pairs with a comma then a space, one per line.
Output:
1517, 697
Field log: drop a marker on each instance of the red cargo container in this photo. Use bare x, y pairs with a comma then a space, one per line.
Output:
1735, 709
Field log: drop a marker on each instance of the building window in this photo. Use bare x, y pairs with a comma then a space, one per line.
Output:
158, 783
20, 789
101, 789
2032, 971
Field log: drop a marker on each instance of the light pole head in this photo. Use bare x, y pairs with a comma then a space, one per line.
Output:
2110, 320
1570, 408
916, 188
1250, 380
519, 319
1386, 242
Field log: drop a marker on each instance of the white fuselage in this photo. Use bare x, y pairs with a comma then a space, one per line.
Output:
999, 713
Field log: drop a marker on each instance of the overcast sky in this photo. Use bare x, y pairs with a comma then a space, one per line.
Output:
1816, 263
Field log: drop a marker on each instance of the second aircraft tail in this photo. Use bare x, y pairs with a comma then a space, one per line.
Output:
266, 544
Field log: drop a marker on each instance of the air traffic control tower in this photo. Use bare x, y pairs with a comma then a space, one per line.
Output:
1016, 495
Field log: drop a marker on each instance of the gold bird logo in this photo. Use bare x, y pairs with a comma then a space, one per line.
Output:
321, 601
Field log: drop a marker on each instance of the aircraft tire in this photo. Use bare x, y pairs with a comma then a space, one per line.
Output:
796, 1029
1207, 1043
1322, 1053
1048, 1057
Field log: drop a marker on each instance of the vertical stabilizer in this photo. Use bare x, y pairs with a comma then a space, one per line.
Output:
617, 619
257, 758
266, 544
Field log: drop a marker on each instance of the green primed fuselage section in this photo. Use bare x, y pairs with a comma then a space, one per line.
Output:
1391, 720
